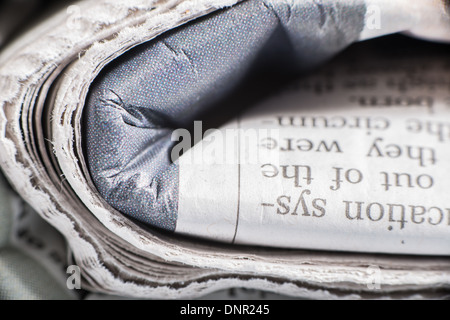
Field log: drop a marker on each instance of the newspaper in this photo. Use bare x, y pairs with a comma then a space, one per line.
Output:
350, 172
347, 160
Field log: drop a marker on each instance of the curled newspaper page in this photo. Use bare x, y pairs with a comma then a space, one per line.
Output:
333, 186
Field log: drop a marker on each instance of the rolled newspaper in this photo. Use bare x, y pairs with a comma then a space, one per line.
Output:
46, 77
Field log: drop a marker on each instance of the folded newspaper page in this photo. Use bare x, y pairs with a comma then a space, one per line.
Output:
329, 184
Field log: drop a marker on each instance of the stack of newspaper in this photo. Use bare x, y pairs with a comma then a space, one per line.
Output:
338, 188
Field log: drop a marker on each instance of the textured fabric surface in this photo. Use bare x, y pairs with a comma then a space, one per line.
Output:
21, 277
167, 83
6, 208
